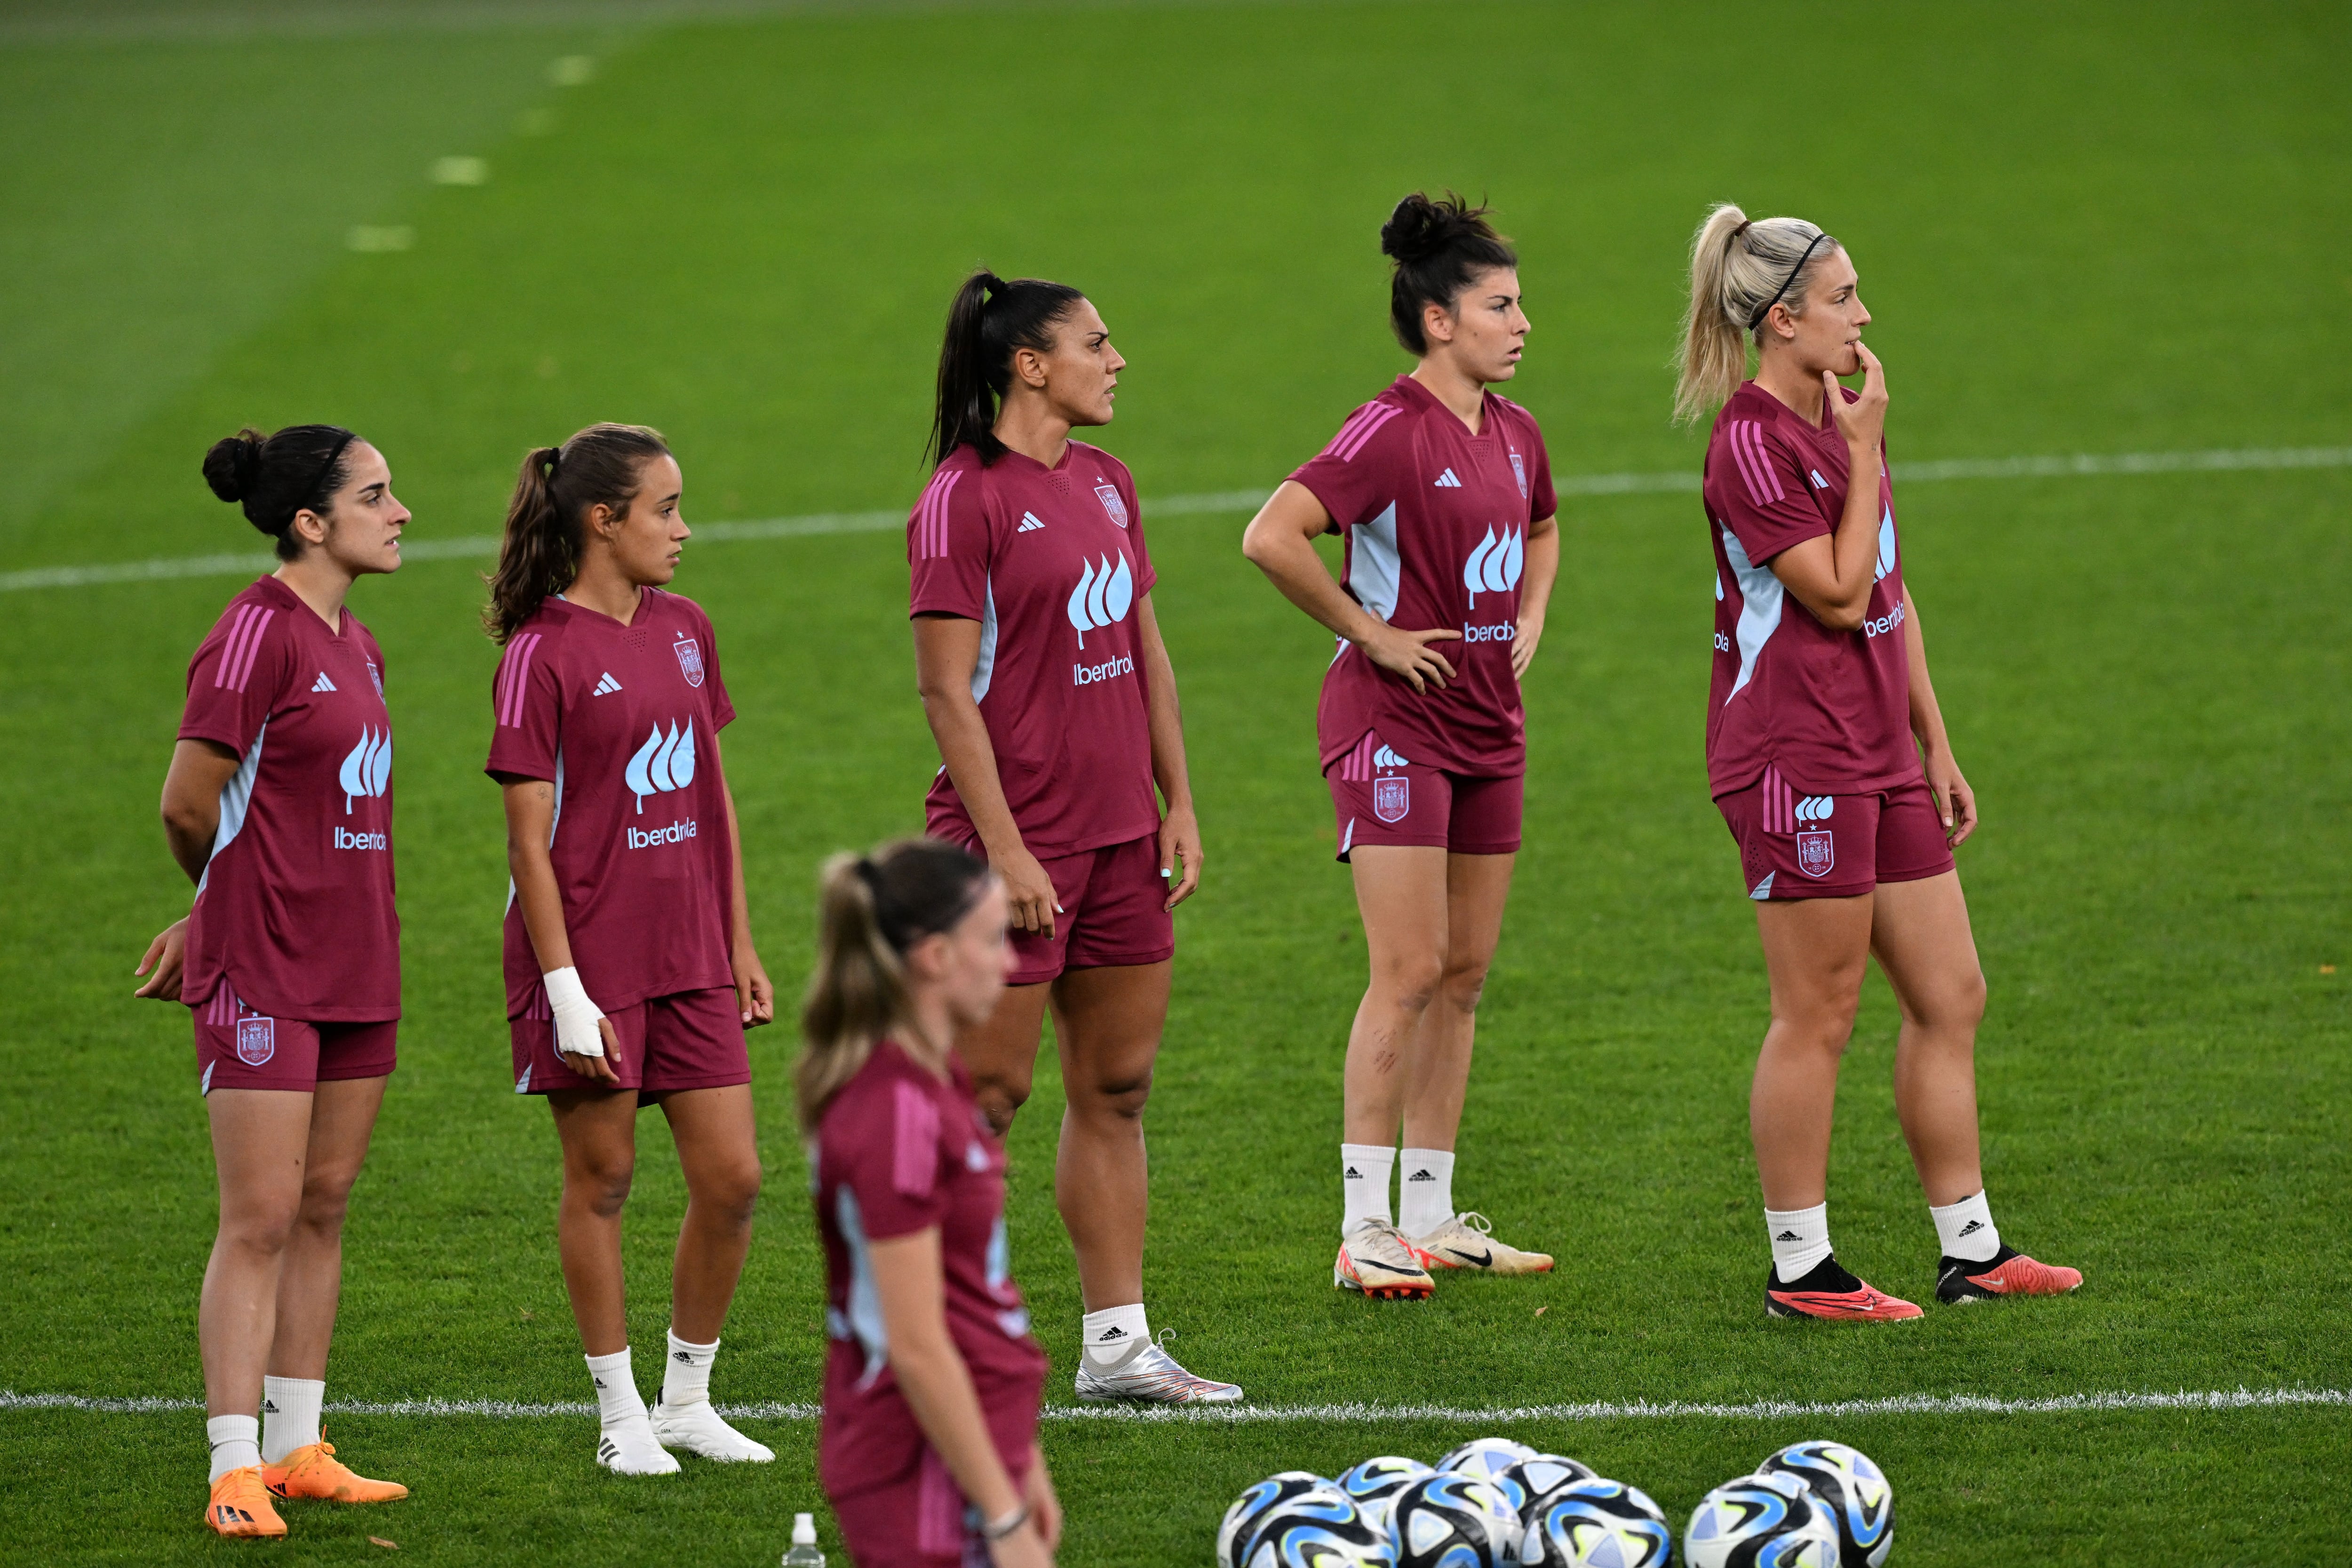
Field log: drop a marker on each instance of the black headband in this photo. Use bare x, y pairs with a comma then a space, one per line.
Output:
327, 468
1765, 310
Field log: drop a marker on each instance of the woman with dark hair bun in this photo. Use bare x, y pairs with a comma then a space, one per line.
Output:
1443, 494
1054, 704
279, 807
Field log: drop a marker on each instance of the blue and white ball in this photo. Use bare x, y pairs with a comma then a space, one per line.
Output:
1485, 1457
1597, 1524
1373, 1485
1532, 1480
1454, 1521
1233, 1534
1318, 1527
1852, 1490
1760, 1522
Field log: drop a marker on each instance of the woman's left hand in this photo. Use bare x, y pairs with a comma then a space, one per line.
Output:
1044, 1508
1524, 638
754, 993
166, 955
1180, 854
1956, 803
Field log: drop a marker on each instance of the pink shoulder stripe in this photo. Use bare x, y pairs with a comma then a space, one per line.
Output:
931, 516
1755, 460
914, 1139
1358, 431
514, 678
244, 645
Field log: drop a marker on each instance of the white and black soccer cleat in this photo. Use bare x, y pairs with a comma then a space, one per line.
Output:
1148, 1375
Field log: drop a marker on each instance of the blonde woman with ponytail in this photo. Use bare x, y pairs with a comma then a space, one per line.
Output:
929, 1450
1828, 756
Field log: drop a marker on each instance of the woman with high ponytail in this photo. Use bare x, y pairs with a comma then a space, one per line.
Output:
929, 1450
1828, 757
278, 809
1053, 699
1444, 493
630, 972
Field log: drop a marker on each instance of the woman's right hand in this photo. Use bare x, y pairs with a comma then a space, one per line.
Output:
1024, 1548
1027, 888
166, 955
1863, 422
1408, 654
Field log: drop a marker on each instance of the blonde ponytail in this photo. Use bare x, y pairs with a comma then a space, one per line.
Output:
1738, 268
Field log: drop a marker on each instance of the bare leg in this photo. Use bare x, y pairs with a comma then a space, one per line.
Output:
599, 1132
1920, 933
1108, 1024
1437, 1070
1816, 951
720, 1155
261, 1138
1002, 1055
1402, 896
311, 1279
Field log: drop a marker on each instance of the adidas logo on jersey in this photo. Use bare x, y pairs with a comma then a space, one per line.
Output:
323, 683
1447, 481
1029, 524
607, 686
1819, 483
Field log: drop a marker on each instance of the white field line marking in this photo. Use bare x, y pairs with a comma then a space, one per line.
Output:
482, 545
1350, 1414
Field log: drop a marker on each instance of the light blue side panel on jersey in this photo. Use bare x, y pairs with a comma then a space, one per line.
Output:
1760, 601
1374, 569
552, 824
987, 664
865, 1317
235, 796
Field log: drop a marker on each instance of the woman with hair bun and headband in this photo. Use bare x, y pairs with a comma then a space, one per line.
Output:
630, 972
1443, 494
279, 807
1827, 754
929, 1449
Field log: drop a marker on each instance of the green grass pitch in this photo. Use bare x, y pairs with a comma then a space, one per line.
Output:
2094, 228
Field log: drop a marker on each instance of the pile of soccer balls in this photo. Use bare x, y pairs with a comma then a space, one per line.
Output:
1493, 1503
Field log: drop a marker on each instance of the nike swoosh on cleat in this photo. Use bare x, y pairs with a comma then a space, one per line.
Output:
1484, 1260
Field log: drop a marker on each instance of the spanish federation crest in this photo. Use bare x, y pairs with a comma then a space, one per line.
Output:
1391, 798
377, 675
1112, 504
689, 659
257, 1040
1816, 853
1520, 467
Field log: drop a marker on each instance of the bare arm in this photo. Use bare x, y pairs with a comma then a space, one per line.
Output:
1179, 831
1956, 803
946, 651
1535, 593
754, 993
912, 1284
1280, 542
192, 790
1833, 576
530, 822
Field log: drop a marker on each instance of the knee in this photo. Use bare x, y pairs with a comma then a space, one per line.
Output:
1464, 983
263, 1226
1409, 982
1120, 1097
999, 1098
1956, 1003
731, 1193
602, 1186
326, 1197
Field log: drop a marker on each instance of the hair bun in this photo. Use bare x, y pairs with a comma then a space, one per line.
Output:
1420, 227
232, 464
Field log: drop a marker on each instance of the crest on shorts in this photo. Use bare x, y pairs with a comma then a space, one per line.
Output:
1112, 504
1816, 853
1391, 799
1520, 467
689, 659
257, 1040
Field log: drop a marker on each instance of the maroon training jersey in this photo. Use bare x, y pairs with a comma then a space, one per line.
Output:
295, 910
1831, 708
625, 722
1050, 562
1436, 526
897, 1151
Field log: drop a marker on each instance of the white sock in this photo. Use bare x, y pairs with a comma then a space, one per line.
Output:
237, 1443
289, 1415
1364, 1183
1801, 1238
686, 1377
1425, 1190
616, 1388
1966, 1229
1110, 1336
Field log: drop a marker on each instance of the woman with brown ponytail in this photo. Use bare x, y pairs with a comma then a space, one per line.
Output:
629, 966
1827, 755
929, 1450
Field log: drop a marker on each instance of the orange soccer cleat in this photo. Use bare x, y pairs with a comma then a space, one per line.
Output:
240, 1507
2007, 1272
1827, 1293
315, 1472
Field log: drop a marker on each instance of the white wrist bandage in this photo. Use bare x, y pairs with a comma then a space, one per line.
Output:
576, 1017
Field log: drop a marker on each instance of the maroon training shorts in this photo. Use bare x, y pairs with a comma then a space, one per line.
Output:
1406, 804
1114, 912
692, 1039
917, 1520
1798, 846
238, 1047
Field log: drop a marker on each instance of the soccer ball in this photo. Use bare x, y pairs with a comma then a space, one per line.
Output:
1318, 1527
1852, 1490
1760, 1522
1234, 1535
1529, 1481
1597, 1524
1454, 1521
1373, 1485
1485, 1457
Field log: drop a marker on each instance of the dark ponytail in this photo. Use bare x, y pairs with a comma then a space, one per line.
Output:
1439, 247
298, 470
603, 464
989, 320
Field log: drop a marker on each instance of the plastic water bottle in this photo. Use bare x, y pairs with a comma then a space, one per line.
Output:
803, 1553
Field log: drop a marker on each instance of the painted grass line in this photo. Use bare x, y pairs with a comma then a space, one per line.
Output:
1351, 1414
484, 546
